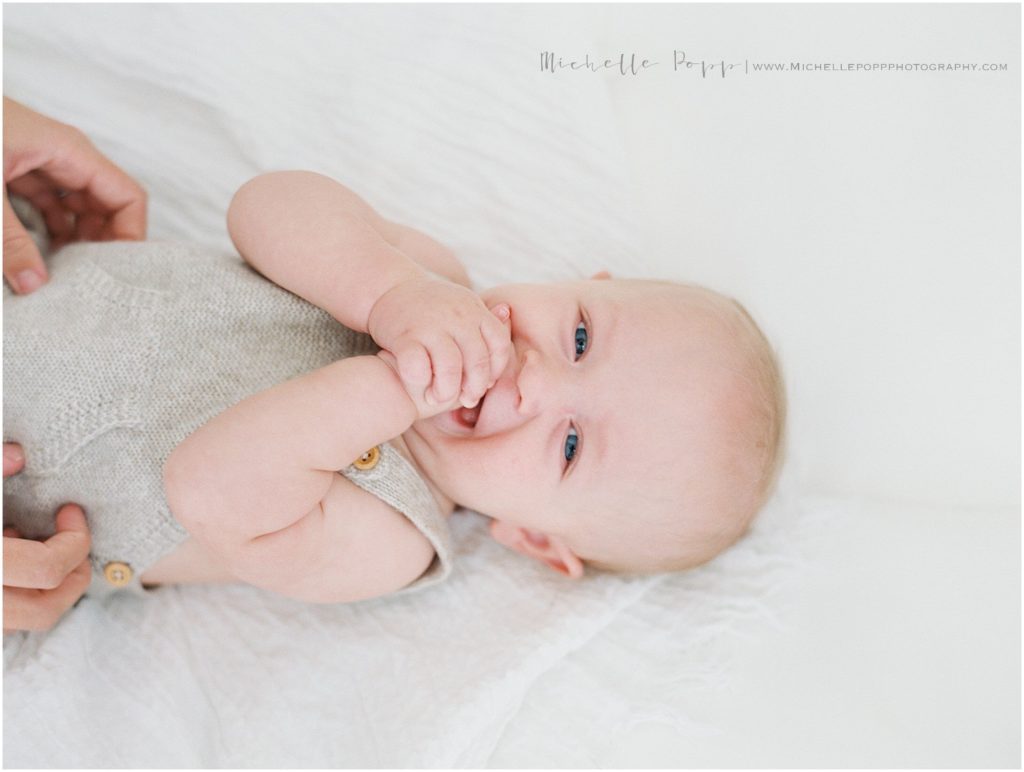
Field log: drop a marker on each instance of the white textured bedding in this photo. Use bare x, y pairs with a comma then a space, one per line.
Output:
436, 115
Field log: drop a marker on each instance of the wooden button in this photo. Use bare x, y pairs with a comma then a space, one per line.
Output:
368, 460
118, 574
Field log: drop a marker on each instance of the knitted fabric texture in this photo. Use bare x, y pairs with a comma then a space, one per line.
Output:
127, 350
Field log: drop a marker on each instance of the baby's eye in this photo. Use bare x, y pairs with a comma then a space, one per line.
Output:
571, 441
582, 338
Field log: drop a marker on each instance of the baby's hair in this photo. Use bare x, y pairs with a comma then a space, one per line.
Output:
769, 407
772, 392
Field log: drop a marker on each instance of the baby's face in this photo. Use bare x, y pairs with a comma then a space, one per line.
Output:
620, 400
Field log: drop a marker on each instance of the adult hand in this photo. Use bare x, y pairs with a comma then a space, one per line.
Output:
81, 194
43, 579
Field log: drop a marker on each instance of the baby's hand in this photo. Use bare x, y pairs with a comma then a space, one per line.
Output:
443, 342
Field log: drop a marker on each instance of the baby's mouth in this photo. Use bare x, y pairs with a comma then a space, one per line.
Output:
468, 416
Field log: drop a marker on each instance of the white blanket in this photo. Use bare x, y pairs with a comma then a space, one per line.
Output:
439, 117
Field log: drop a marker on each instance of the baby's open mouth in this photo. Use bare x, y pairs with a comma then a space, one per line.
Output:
468, 416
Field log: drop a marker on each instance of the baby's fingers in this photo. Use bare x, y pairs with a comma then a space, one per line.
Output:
446, 359
413, 367
498, 335
476, 368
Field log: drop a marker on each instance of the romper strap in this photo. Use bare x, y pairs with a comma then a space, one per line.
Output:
386, 473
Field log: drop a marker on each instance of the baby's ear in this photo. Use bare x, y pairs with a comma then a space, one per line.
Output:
534, 544
601, 275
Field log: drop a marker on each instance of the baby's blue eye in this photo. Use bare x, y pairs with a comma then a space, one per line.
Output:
581, 339
571, 441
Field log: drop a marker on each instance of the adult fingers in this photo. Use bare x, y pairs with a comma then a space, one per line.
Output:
30, 609
76, 201
14, 458
72, 216
91, 227
44, 196
92, 221
23, 265
78, 165
45, 564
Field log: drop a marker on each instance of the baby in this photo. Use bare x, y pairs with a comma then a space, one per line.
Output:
628, 425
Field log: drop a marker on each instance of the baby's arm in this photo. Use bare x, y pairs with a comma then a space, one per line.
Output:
318, 239
258, 485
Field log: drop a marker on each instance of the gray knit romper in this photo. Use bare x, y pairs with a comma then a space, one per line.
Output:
128, 349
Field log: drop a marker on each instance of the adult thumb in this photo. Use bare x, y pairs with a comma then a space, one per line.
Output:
23, 265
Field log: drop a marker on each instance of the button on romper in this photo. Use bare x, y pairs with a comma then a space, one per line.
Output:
127, 350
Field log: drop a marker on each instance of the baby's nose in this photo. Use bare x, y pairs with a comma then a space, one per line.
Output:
537, 384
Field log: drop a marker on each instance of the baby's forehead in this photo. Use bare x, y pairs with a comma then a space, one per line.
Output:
674, 385
663, 296
662, 322
680, 435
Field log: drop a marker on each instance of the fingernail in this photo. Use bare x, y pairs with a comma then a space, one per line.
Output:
28, 281
503, 311
75, 509
429, 399
13, 455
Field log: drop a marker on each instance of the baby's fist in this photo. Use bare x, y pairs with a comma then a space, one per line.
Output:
442, 341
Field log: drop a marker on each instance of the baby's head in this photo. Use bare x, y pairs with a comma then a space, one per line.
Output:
637, 427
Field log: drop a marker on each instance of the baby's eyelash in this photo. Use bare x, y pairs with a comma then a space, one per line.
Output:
572, 441
581, 339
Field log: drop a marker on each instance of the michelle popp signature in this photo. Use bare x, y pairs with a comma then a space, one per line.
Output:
633, 64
